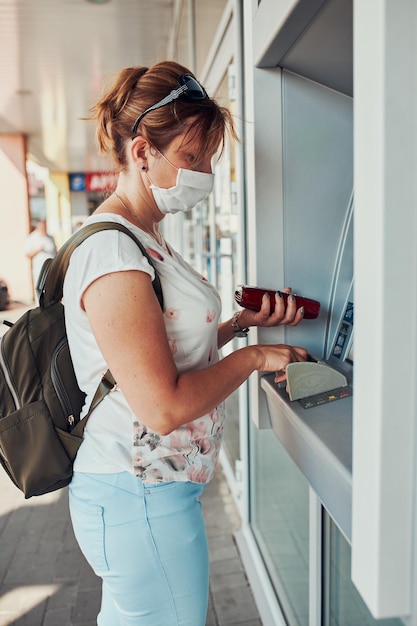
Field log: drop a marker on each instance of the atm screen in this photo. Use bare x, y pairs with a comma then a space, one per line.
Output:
349, 356
343, 346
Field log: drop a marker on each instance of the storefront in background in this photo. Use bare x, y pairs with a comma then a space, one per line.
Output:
87, 192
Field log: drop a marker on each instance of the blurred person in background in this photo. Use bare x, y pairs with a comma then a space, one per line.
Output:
39, 247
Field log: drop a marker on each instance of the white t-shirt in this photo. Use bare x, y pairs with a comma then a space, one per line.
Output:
114, 440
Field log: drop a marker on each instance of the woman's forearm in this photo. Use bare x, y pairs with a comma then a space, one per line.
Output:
180, 398
199, 392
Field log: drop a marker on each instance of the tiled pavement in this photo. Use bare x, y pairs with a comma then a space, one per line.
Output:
45, 580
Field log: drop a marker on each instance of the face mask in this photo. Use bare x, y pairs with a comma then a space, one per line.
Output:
191, 187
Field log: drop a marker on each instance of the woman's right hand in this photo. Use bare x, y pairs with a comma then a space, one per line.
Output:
275, 358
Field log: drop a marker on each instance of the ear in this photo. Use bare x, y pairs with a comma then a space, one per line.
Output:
139, 149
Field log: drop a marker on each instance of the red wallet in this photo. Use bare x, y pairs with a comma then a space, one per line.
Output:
251, 298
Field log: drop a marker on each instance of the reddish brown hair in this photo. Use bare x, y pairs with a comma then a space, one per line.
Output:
134, 90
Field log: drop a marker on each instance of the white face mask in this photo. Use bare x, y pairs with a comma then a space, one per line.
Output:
191, 187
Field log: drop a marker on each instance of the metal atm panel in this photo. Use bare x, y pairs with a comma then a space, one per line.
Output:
317, 204
318, 263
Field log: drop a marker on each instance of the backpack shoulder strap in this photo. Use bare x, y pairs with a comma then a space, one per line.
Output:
51, 281
106, 385
50, 286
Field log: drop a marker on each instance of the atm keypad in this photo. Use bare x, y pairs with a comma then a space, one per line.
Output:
325, 398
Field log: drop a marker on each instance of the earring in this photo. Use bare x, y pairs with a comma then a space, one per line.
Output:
143, 168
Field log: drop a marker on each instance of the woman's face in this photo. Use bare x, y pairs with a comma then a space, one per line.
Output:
181, 153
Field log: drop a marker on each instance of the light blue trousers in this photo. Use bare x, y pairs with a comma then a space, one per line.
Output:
149, 546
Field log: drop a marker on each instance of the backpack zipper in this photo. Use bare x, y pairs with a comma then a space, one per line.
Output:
59, 387
8, 378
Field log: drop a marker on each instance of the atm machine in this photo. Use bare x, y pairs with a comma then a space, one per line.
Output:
304, 230
303, 238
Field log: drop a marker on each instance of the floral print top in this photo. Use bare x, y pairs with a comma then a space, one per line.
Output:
114, 439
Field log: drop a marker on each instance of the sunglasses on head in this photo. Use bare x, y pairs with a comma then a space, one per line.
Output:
187, 86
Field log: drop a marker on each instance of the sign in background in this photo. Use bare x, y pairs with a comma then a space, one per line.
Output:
94, 181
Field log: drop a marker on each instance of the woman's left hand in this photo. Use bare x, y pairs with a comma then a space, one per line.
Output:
282, 314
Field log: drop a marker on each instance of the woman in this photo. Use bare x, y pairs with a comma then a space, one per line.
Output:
153, 443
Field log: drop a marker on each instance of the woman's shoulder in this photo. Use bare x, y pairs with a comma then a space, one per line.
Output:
105, 252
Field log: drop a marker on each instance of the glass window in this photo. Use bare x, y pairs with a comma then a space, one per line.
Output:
279, 502
343, 606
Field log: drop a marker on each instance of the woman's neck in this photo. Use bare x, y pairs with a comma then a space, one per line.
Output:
152, 229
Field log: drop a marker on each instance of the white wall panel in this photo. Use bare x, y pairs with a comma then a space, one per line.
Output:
386, 303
